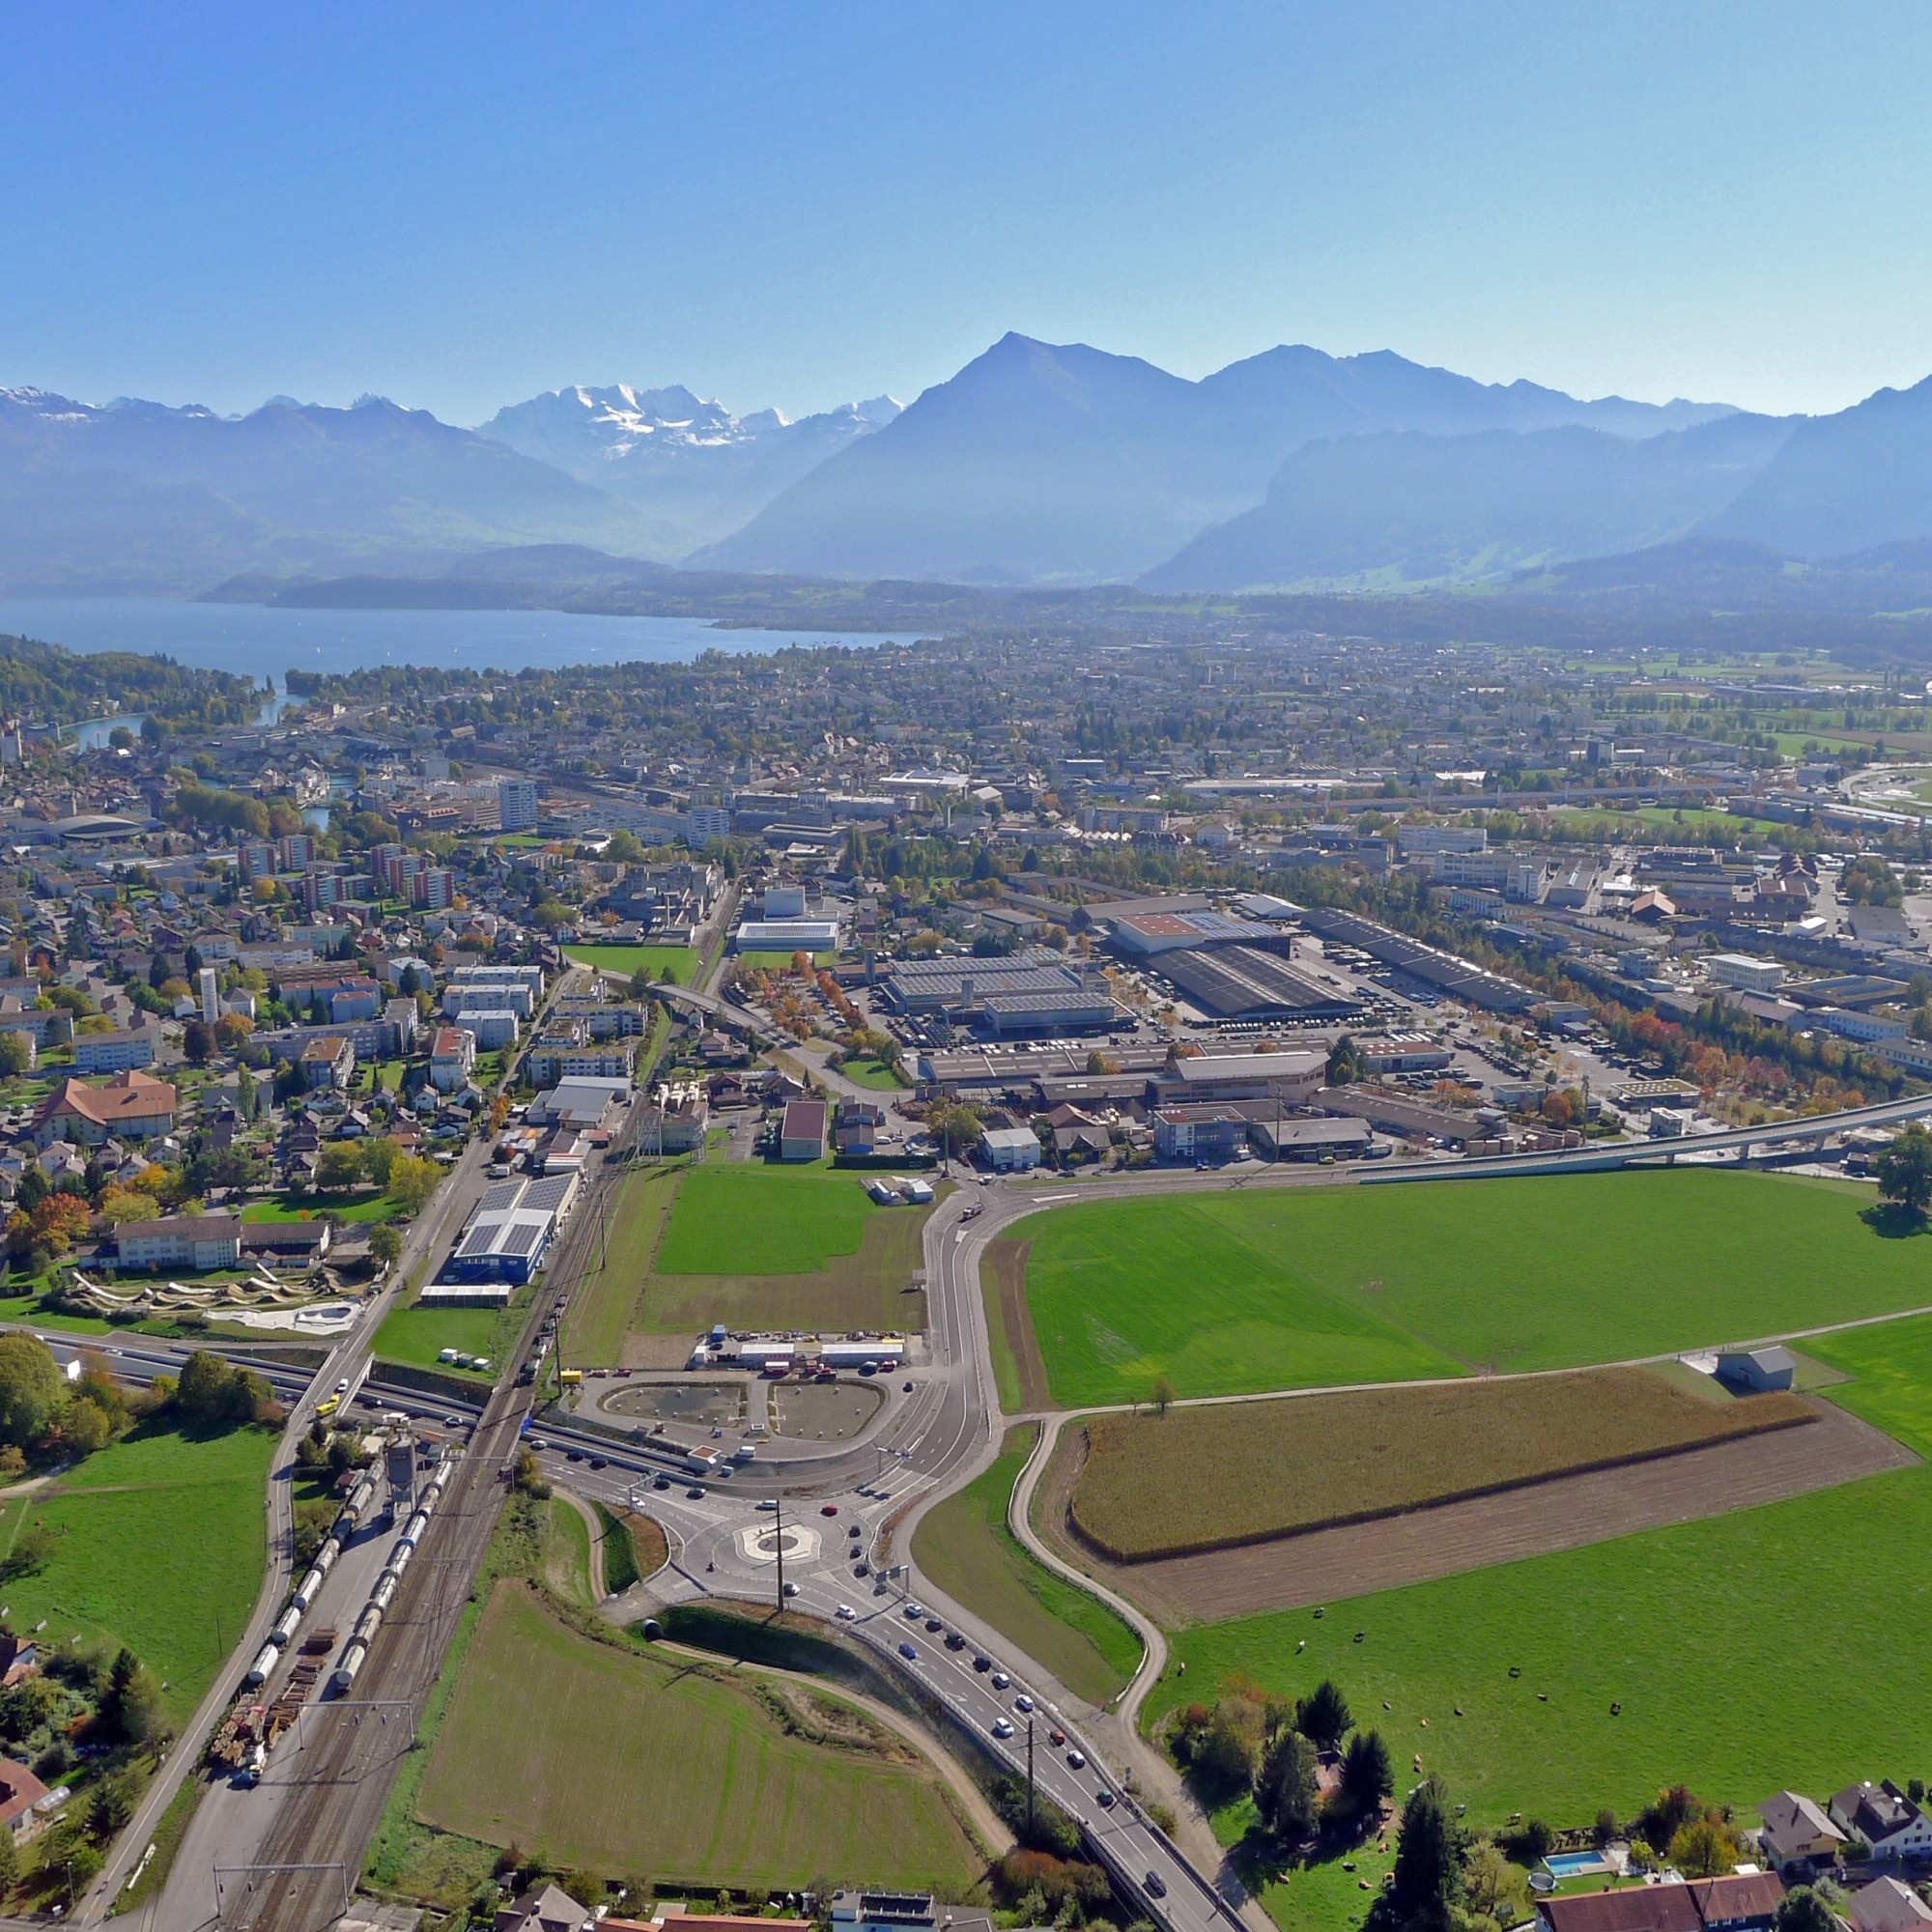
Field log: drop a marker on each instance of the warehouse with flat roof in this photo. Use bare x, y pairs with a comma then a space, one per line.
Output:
1243, 982
507, 1237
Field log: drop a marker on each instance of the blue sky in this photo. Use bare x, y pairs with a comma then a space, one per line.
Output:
801, 204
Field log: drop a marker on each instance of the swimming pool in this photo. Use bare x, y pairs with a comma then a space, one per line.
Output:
1575, 1864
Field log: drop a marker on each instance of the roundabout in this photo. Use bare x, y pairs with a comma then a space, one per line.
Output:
768, 1541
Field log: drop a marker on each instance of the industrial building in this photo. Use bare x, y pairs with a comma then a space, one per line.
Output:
507, 1237
1145, 935
1048, 1014
1244, 983
802, 1130
1457, 977
950, 988
786, 935
1291, 1079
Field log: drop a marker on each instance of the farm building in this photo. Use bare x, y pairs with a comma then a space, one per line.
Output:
802, 1130
1757, 1369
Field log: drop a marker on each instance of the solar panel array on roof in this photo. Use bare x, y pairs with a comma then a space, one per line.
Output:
477, 1239
520, 1237
500, 1198
549, 1194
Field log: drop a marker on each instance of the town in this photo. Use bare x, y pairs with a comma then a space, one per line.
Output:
607, 1160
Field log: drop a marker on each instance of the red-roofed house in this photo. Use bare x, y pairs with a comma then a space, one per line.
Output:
131, 1106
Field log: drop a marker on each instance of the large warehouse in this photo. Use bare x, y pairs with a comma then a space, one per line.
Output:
1242, 982
1031, 995
508, 1236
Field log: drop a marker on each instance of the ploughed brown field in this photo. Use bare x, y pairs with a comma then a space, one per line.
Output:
1223, 1474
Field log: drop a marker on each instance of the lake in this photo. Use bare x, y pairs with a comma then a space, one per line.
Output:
258, 642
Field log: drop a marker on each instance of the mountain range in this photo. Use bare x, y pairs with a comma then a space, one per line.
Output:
1052, 466
694, 468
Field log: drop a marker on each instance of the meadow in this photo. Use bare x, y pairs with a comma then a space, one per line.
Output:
754, 1217
417, 1336
623, 1761
1678, 1629
750, 1244
295, 1204
1205, 1477
601, 1308
1296, 1288
676, 964
964, 1547
158, 1545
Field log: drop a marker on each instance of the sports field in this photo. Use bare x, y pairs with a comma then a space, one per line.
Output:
964, 1548
623, 1761
1224, 1473
158, 1545
1293, 1288
675, 963
1669, 1625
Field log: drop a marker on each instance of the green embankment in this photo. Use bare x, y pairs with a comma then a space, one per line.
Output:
966, 1548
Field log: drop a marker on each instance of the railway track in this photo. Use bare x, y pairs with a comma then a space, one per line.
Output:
349, 1748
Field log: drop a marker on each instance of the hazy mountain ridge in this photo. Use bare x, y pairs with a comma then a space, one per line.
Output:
142, 495
1062, 463
1388, 511
688, 464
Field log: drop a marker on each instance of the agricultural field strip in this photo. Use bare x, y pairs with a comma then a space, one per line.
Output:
1564, 1512
1259, 1472
1565, 1681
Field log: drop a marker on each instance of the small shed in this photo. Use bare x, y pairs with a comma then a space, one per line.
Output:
1757, 1369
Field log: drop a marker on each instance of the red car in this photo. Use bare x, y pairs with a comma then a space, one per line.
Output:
828, 1509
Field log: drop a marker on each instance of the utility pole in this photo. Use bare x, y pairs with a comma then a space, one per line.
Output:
779, 1529
1029, 1773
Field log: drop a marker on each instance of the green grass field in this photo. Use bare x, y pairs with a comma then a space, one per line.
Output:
417, 1336
294, 1204
1295, 1288
624, 1761
160, 1547
566, 1556
780, 962
751, 1217
606, 1301
675, 963
965, 1547
1662, 1623
872, 1073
